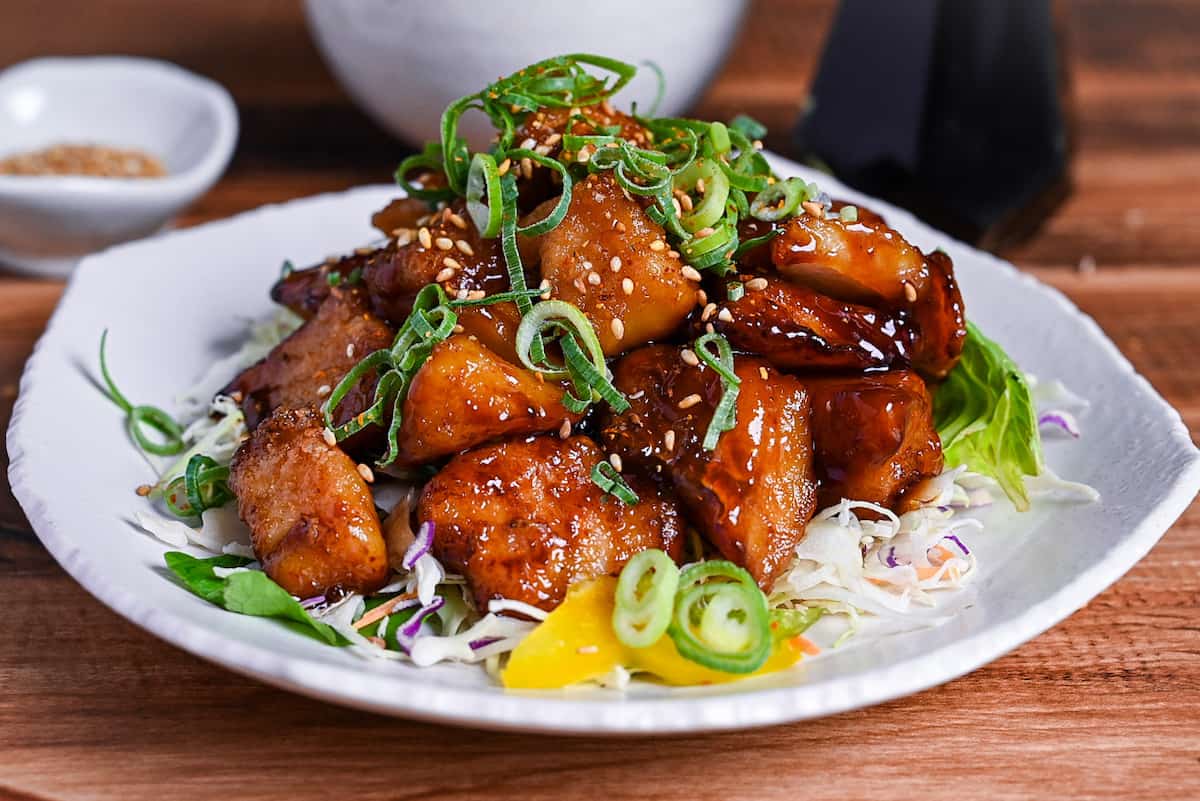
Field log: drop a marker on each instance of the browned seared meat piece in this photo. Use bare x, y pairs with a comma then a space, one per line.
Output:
465, 395
752, 495
939, 320
864, 262
311, 516
400, 217
301, 370
603, 258
795, 328
874, 436
523, 520
448, 251
303, 291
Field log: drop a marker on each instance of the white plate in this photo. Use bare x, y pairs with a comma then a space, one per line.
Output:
175, 302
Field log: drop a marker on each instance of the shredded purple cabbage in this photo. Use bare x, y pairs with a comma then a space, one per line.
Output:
406, 635
420, 546
891, 558
1063, 420
953, 537
483, 642
315, 601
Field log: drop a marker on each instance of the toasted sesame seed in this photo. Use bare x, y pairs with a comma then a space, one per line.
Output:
620, 226
564, 430
593, 278
444, 243
725, 316
403, 236
425, 238
627, 286
553, 139
756, 284
458, 222
678, 208
464, 247
542, 150
700, 186
669, 440
503, 168
578, 284
527, 167
461, 294
607, 108
458, 329
618, 328
452, 263
689, 401
528, 144
615, 264
445, 275
708, 312
658, 245
615, 460
690, 273
763, 374
329, 437
689, 357
476, 294
706, 231
366, 473
143, 490
350, 351
814, 208
910, 292
685, 200
674, 254
323, 390
701, 297
708, 328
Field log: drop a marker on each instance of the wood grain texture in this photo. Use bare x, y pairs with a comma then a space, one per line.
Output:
1105, 705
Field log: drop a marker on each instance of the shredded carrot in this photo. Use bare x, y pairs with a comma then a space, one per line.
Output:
383, 610
806, 645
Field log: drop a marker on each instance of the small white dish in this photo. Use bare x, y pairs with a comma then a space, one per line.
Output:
74, 472
48, 222
405, 62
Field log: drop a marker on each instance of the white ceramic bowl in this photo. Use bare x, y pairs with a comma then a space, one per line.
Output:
404, 62
48, 222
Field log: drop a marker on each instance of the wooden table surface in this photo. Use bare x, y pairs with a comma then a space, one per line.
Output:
1106, 704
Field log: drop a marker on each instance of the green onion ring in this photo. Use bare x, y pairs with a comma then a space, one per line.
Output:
725, 414
716, 186
778, 201
606, 477
721, 619
645, 598
484, 197
140, 417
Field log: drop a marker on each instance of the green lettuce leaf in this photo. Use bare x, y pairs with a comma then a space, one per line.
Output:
986, 418
248, 593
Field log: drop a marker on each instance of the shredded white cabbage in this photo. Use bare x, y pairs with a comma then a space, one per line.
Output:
263, 336
220, 532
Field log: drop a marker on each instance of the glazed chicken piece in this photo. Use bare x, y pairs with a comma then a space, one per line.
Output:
400, 217
939, 320
301, 370
874, 436
465, 395
752, 495
303, 291
863, 262
523, 520
312, 520
796, 328
546, 127
603, 259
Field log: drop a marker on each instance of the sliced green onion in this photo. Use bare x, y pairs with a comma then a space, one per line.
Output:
750, 244
748, 127
735, 291
660, 89
484, 198
721, 619
139, 418
849, 214
583, 357
718, 134
606, 477
716, 192
725, 415
428, 159
779, 200
203, 485
645, 598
